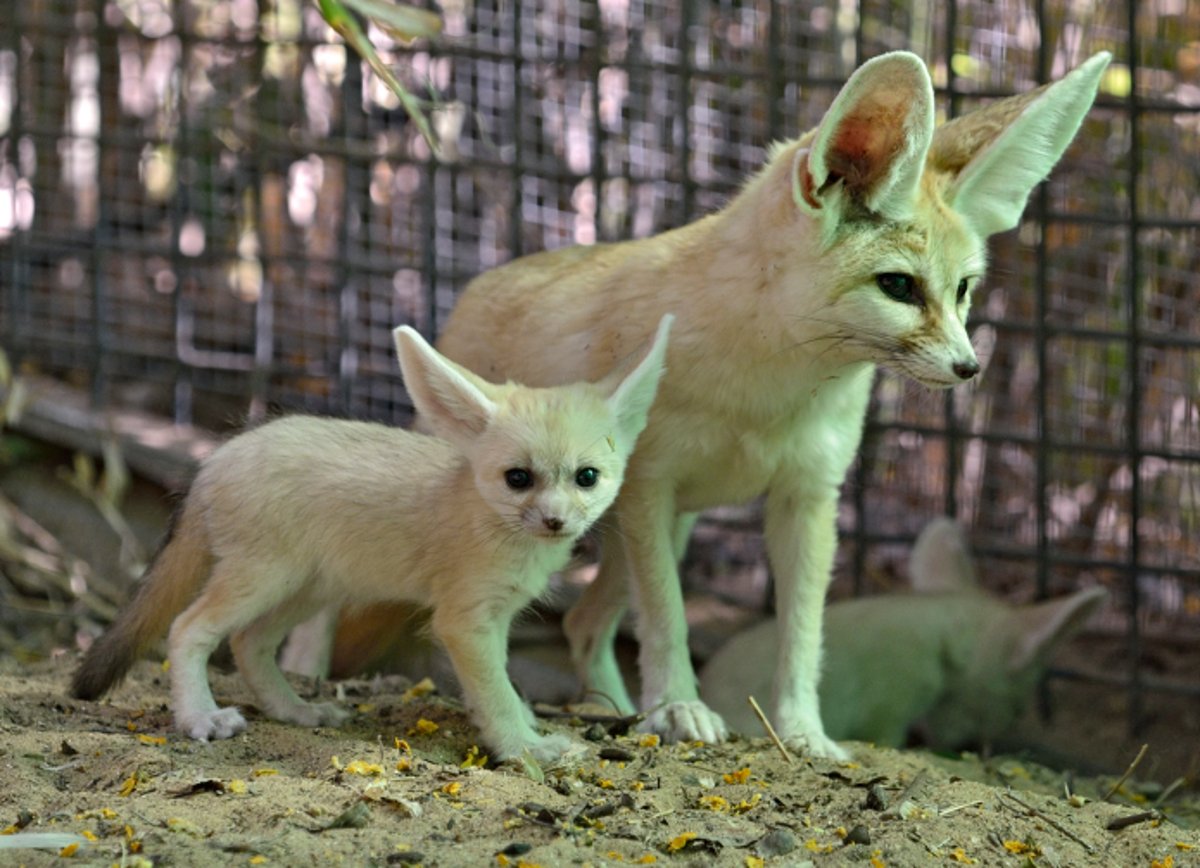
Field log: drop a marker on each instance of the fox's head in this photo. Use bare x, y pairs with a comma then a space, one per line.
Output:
902, 211
549, 461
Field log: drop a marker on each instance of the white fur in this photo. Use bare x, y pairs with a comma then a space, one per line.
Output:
780, 323
305, 514
957, 663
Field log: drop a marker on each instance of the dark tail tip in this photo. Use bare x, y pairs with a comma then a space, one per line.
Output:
104, 665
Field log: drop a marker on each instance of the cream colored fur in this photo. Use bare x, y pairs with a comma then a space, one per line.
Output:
781, 320
949, 660
305, 514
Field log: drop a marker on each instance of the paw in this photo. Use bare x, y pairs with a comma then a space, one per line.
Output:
816, 745
211, 725
544, 749
548, 748
315, 714
690, 720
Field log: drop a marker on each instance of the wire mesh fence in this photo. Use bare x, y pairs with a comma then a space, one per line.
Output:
209, 209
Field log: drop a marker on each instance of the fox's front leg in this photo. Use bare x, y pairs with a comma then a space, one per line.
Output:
650, 528
801, 533
591, 624
476, 639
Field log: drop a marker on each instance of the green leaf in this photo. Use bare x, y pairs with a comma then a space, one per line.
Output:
401, 21
348, 28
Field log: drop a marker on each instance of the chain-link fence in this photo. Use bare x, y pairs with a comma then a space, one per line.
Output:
209, 210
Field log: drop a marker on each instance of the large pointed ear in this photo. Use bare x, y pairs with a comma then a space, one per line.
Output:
941, 559
1001, 152
630, 396
869, 150
1044, 626
454, 401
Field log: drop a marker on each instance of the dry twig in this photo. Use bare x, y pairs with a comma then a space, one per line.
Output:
1118, 823
1133, 765
1050, 821
787, 757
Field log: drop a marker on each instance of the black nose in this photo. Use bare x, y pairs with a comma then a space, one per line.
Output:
554, 524
966, 370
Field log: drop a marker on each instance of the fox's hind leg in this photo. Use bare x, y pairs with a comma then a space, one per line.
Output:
238, 592
193, 637
254, 649
591, 625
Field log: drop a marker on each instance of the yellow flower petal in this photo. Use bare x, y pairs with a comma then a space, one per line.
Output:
738, 777
680, 841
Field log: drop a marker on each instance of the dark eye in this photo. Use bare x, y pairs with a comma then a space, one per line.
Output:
901, 287
586, 477
962, 289
518, 478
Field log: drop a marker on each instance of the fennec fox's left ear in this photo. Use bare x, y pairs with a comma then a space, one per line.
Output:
455, 402
869, 150
1001, 152
941, 559
631, 395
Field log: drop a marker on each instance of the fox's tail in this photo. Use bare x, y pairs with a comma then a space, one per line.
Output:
172, 581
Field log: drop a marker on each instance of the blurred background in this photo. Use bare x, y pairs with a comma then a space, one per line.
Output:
212, 211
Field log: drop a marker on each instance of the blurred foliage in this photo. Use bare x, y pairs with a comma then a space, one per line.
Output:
400, 21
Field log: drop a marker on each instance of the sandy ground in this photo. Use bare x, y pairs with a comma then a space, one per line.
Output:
397, 785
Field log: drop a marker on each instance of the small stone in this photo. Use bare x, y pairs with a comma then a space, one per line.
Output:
876, 798
595, 732
777, 842
858, 835
357, 816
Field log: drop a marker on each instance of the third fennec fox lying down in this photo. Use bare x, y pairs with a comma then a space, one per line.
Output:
860, 243
949, 659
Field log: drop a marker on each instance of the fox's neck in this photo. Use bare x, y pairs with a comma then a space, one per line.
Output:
760, 248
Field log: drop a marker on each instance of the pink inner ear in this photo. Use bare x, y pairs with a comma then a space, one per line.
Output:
866, 142
807, 188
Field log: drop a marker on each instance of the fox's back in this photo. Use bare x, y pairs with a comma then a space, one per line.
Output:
738, 392
347, 500
584, 307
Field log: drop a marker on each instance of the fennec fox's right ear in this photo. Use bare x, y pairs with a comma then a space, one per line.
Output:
941, 559
869, 150
455, 402
631, 395
996, 155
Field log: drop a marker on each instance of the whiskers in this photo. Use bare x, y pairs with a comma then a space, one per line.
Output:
855, 345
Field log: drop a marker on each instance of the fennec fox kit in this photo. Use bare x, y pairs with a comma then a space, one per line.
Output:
858, 244
305, 513
948, 660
